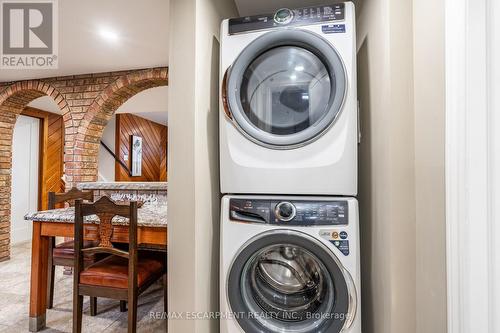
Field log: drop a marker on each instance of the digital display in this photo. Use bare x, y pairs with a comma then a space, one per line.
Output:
301, 16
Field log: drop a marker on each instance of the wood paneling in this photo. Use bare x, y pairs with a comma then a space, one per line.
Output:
51, 153
164, 156
55, 152
154, 147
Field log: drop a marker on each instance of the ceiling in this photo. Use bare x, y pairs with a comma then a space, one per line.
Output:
102, 36
254, 7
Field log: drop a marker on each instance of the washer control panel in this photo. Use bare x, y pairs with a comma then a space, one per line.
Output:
288, 17
289, 212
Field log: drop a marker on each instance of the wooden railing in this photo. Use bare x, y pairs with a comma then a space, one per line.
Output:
116, 158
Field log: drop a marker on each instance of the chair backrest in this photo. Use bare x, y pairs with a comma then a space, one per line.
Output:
105, 209
70, 196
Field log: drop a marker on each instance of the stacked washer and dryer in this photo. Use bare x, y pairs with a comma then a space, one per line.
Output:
288, 169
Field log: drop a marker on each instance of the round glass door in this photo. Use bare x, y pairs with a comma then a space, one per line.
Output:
287, 282
285, 90
285, 97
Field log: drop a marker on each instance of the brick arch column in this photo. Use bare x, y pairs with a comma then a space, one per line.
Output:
13, 99
81, 155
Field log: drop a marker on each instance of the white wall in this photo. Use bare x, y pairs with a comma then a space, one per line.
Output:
493, 40
181, 144
387, 175
25, 169
193, 159
45, 103
106, 162
429, 94
473, 165
401, 91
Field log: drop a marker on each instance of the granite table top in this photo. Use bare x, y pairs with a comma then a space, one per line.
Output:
149, 215
131, 186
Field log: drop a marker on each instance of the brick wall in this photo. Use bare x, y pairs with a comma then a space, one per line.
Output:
87, 103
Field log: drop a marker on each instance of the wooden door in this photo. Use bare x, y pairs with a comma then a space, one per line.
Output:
51, 153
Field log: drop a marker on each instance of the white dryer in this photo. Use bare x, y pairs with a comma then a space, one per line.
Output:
288, 120
289, 264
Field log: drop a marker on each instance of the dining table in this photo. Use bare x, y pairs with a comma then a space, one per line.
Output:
151, 233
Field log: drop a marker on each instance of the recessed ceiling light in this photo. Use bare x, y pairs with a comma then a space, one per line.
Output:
108, 34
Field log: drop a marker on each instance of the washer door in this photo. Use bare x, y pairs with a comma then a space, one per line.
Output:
286, 88
286, 281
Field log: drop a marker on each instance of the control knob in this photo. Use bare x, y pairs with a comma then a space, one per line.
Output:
283, 16
285, 211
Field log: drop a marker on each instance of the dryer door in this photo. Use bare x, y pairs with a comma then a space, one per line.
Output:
287, 281
286, 88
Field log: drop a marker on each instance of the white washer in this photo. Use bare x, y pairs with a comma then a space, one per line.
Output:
289, 264
288, 115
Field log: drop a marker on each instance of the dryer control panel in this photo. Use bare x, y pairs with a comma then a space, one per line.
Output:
288, 17
289, 212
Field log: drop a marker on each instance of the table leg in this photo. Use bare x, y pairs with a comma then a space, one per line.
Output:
39, 270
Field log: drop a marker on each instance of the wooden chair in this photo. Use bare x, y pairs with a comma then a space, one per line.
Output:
64, 254
124, 274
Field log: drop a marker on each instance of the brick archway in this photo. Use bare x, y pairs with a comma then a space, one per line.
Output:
81, 158
87, 102
13, 99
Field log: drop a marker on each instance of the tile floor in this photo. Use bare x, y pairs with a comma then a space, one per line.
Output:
14, 302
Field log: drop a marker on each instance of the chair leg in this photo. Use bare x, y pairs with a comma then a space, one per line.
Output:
93, 306
123, 306
132, 312
50, 284
50, 278
77, 312
165, 293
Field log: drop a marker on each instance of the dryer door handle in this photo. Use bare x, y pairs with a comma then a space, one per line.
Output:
246, 217
225, 102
